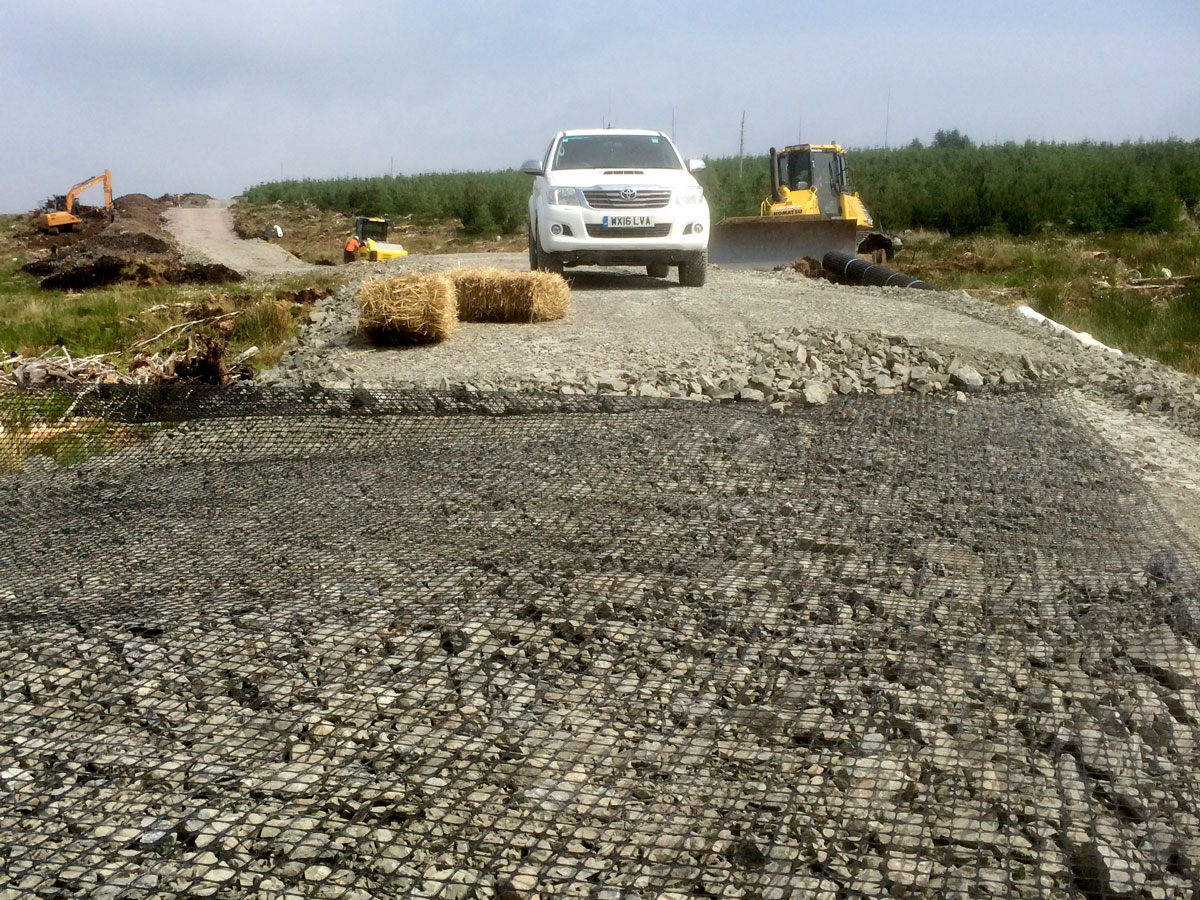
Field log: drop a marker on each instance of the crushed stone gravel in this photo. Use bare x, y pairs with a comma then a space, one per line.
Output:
767, 589
635, 335
384, 645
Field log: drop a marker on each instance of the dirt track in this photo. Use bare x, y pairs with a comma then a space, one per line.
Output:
207, 233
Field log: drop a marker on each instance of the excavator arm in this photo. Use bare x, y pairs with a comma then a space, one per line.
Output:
64, 216
73, 194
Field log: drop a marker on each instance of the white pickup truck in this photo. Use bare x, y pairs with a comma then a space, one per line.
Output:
606, 197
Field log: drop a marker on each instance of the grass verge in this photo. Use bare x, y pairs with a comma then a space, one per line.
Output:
122, 320
1110, 285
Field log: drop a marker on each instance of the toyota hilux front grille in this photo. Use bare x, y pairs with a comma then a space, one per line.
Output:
628, 198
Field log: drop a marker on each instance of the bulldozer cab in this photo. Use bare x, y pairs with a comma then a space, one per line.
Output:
822, 169
371, 228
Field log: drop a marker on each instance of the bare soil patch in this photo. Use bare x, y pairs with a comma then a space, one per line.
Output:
317, 236
124, 245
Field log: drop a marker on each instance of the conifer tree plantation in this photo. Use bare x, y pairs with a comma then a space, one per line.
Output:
951, 185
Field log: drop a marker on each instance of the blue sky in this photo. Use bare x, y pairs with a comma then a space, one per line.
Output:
216, 96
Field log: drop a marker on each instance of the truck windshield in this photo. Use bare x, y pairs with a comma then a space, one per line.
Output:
615, 151
827, 182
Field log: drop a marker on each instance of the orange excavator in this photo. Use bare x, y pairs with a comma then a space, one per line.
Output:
62, 217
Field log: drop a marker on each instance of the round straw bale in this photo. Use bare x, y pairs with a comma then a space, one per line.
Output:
406, 309
498, 295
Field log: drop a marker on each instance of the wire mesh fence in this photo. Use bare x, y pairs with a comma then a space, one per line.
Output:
369, 645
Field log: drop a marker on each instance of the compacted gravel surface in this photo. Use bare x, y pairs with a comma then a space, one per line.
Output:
206, 233
769, 589
360, 644
627, 324
776, 339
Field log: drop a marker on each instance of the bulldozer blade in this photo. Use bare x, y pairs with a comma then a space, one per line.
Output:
763, 242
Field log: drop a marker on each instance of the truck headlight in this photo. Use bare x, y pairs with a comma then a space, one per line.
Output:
689, 196
564, 197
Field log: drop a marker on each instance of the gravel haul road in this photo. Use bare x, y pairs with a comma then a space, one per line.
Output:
206, 234
624, 321
771, 338
736, 340
371, 645
767, 589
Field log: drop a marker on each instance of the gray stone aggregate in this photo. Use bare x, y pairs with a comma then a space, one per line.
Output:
860, 649
770, 589
632, 335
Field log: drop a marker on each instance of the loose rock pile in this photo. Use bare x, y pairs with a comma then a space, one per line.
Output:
805, 366
800, 366
901, 647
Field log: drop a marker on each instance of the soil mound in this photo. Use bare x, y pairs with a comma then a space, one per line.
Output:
124, 245
137, 212
128, 202
130, 242
98, 268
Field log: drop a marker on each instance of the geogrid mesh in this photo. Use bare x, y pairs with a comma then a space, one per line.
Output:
343, 644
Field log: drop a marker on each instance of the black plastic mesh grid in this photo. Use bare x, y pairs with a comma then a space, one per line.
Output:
365, 645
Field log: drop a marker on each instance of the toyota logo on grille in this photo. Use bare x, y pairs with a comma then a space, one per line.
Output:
628, 194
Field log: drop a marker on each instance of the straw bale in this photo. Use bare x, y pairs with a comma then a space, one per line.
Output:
412, 308
496, 295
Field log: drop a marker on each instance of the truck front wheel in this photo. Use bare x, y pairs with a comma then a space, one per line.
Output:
694, 269
549, 262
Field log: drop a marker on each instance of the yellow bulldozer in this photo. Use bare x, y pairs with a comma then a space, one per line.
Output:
60, 216
812, 210
370, 241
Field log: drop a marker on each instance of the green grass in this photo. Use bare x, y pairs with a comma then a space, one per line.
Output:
33, 320
1168, 330
119, 322
1082, 282
123, 319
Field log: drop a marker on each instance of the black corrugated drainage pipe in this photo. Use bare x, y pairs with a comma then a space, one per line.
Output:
859, 271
